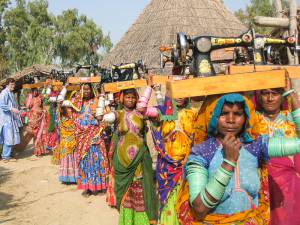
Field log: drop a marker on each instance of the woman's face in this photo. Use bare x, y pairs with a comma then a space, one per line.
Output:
35, 92
231, 120
180, 101
270, 100
87, 91
129, 101
69, 112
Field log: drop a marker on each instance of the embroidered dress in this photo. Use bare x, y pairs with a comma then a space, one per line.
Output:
91, 150
134, 187
172, 141
284, 179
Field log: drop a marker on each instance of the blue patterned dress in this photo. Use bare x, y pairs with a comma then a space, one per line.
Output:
92, 164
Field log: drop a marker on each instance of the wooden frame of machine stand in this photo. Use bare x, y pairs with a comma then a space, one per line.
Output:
226, 84
294, 71
123, 85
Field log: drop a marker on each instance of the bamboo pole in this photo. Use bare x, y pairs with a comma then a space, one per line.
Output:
293, 30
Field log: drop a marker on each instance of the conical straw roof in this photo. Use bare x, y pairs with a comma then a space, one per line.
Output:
161, 20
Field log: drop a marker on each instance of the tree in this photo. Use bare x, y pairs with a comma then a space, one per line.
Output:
258, 8
3, 63
40, 33
78, 39
31, 35
16, 22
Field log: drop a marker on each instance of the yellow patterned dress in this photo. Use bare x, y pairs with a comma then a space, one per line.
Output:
176, 137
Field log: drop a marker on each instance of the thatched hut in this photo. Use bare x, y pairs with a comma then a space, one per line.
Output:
35, 70
161, 20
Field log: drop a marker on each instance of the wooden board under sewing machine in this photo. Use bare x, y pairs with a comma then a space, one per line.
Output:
31, 86
226, 84
41, 84
80, 80
73, 88
294, 71
123, 85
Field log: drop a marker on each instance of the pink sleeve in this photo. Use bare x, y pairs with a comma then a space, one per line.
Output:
151, 112
144, 99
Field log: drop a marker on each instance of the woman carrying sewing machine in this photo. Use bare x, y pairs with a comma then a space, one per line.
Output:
91, 152
37, 121
284, 180
172, 134
222, 172
132, 163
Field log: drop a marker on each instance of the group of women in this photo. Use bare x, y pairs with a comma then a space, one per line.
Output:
234, 161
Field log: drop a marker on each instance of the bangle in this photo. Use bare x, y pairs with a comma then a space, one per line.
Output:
287, 93
209, 204
230, 163
222, 177
225, 171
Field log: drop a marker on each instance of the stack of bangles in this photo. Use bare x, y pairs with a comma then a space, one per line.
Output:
197, 177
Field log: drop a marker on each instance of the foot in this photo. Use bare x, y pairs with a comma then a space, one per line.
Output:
86, 193
5, 160
12, 160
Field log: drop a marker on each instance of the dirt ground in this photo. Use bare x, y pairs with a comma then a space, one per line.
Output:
30, 193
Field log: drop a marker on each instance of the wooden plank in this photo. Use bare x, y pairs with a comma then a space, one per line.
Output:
123, 85
80, 80
294, 71
57, 83
30, 86
225, 84
160, 79
73, 88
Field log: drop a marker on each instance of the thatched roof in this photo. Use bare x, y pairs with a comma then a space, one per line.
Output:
161, 20
41, 70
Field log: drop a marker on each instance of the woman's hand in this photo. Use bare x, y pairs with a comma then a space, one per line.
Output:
150, 80
231, 147
293, 95
288, 83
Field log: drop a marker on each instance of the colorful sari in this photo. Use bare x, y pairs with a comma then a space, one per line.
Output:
37, 124
66, 151
284, 178
134, 186
204, 128
91, 152
51, 121
110, 194
172, 140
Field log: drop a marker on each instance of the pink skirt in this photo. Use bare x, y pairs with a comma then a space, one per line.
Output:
68, 172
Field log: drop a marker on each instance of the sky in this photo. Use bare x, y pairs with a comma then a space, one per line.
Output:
116, 16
